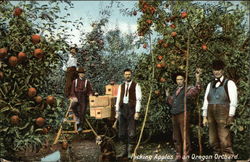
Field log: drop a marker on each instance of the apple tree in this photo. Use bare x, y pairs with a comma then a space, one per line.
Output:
29, 108
209, 31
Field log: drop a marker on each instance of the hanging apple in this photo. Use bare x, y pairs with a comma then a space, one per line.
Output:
38, 53
173, 34
17, 11
14, 119
40, 121
38, 99
13, 60
184, 15
160, 57
204, 47
172, 26
36, 38
50, 100
32, 92
3, 52
21, 56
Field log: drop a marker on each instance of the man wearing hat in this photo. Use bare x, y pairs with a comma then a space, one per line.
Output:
219, 107
80, 91
176, 102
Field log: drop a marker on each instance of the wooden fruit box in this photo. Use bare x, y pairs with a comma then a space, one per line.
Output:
102, 112
101, 101
102, 106
112, 89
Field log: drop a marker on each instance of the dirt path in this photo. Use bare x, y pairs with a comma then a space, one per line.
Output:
86, 150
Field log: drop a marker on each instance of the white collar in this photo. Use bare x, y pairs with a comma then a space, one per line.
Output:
128, 82
221, 78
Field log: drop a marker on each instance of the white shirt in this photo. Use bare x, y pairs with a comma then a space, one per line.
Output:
138, 96
232, 92
72, 61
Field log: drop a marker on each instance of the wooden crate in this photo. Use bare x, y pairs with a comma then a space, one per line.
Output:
102, 106
101, 112
112, 89
102, 101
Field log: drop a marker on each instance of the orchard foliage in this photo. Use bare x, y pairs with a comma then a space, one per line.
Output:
106, 55
28, 107
215, 31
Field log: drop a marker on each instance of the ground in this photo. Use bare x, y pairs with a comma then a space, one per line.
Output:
83, 148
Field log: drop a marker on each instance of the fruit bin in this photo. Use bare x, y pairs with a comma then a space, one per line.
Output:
102, 106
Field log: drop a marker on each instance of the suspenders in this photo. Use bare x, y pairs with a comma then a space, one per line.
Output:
85, 84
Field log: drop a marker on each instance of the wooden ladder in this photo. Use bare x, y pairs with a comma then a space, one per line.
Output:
68, 118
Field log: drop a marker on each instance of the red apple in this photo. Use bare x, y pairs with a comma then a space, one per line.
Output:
158, 65
145, 45
3, 52
13, 60
17, 11
32, 92
21, 56
172, 26
204, 47
160, 57
165, 45
173, 34
184, 15
162, 80
149, 21
36, 38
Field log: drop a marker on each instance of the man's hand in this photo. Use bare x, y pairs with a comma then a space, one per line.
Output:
137, 115
230, 120
198, 73
73, 99
205, 121
116, 115
167, 92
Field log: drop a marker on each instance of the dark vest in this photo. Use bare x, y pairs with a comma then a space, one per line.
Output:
178, 102
132, 95
218, 95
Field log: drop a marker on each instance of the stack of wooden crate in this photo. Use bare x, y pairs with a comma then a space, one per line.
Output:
104, 106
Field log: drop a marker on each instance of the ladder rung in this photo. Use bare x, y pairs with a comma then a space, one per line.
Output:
70, 121
86, 131
69, 131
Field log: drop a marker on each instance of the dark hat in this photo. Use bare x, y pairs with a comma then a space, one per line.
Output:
174, 75
80, 70
218, 65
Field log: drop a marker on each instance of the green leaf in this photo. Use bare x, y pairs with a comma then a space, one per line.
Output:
7, 108
25, 126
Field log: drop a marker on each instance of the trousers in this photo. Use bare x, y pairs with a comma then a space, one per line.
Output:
178, 133
70, 76
219, 134
127, 124
79, 108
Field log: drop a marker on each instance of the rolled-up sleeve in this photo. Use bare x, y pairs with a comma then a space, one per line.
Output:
138, 98
205, 103
232, 92
117, 105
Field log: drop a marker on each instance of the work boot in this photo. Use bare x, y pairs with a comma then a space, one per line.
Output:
124, 151
178, 157
130, 151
